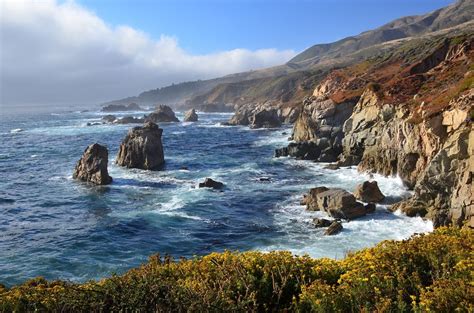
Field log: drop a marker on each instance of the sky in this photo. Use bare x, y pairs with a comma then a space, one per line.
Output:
90, 51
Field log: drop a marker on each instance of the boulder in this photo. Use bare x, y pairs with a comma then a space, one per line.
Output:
121, 107
321, 222
310, 200
210, 183
142, 148
190, 116
369, 191
162, 114
336, 202
92, 167
334, 228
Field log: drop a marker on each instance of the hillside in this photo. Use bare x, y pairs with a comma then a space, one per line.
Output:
458, 13
321, 57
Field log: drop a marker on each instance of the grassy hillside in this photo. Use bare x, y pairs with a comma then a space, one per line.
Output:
431, 272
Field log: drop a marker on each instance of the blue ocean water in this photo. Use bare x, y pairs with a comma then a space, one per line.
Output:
59, 228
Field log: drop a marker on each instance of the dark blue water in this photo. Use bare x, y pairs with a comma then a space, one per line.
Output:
53, 226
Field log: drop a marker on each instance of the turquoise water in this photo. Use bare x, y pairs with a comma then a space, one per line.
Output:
53, 226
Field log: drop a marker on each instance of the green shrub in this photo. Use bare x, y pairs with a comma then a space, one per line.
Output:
427, 272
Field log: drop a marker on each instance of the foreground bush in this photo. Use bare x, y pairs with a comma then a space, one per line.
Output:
425, 273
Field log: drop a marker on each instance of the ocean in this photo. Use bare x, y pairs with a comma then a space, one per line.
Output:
59, 228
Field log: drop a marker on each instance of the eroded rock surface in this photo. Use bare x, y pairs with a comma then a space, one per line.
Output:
336, 202
190, 116
142, 148
369, 191
162, 114
92, 167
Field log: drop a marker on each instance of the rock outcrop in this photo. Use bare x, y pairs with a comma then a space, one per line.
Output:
259, 116
369, 191
122, 107
317, 132
336, 202
445, 191
387, 139
142, 148
92, 167
162, 114
430, 151
210, 183
190, 116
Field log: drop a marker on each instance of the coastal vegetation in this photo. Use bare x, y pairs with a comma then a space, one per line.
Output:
431, 272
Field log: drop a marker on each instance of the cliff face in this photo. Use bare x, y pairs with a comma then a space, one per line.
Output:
410, 115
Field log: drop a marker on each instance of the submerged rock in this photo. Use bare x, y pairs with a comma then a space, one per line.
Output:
190, 116
162, 113
92, 167
369, 191
210, 183
109, 118
321, 222
334, 228
142, 148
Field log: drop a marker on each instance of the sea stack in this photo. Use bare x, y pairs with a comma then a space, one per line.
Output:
190, 116
92, 167
162, 114
142, 148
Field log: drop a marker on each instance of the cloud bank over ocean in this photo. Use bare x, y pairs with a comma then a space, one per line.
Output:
53, 52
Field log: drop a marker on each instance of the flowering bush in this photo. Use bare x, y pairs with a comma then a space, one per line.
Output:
425, 273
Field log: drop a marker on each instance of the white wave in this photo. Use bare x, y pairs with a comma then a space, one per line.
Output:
303, 238
16, 130
276, 139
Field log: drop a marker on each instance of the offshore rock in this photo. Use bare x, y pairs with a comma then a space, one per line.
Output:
162, 114
92, 167
142, 148
210, 183
190, 116
369, 192
121, 107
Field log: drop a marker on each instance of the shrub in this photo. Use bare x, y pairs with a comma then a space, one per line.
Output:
426, 272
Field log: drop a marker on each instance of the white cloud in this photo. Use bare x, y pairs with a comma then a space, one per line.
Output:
61, 52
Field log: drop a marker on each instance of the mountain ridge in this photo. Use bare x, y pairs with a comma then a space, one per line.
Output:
316, 58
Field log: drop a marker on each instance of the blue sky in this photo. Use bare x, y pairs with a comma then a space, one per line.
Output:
208, 26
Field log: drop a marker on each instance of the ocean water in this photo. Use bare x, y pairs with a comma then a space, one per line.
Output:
59, 228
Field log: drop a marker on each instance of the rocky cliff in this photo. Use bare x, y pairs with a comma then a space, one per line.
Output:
407, 114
